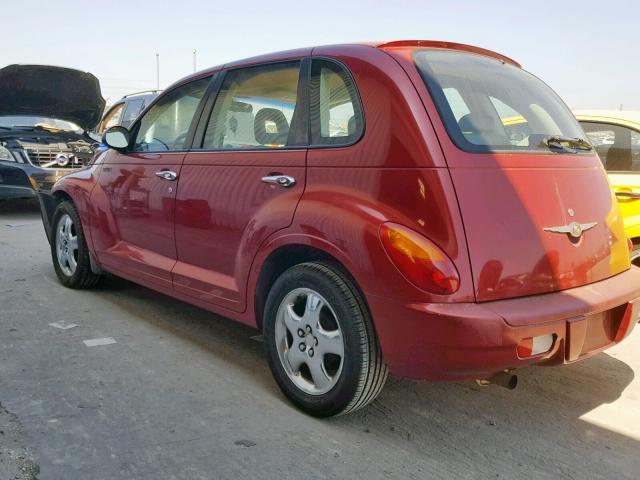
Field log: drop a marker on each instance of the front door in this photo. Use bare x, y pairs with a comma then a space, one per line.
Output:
135, 196
241, 182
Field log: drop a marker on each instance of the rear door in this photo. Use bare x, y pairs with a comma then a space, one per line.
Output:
242, 180
136, 191
538, 212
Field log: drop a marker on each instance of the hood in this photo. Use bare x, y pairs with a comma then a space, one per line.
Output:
56, 92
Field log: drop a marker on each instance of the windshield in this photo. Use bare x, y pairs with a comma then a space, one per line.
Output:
46, 122
488, 105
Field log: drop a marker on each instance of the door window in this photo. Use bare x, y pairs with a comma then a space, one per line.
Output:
255, 109
617, 146
336, 116
165, 126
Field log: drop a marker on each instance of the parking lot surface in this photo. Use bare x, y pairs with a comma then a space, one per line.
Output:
184, 394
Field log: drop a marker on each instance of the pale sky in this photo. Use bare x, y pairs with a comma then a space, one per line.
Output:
586, 50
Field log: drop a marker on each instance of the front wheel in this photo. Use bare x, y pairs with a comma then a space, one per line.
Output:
69, 249
320, 341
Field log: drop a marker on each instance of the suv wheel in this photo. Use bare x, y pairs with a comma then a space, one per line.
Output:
320, 341
69, 249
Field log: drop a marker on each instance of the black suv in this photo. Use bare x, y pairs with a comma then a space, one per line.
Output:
45, 114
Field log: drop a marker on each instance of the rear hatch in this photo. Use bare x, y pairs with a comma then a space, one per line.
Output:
538, 211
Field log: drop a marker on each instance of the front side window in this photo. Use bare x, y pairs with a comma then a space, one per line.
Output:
336, 115
165, 126
254, 108
618, 147
488, 105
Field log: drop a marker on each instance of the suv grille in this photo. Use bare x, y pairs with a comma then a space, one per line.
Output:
51, 155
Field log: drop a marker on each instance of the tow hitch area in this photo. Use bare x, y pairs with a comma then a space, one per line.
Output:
503, 379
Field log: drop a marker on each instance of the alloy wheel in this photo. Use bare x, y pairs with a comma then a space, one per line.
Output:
309, 341
67, 245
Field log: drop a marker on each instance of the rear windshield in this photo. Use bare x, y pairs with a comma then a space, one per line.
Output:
488, 105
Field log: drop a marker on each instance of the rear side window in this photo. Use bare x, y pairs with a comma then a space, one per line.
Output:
255, 109
336, 114
618, 147
488, 105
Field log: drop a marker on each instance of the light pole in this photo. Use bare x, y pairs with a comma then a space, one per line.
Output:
195, 53
157, 71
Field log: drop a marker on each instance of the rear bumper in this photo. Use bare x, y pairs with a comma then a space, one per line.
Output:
463, 341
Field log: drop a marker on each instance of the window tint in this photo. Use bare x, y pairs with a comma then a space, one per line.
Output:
112, 118
617, 146
336, 116
506, 107
165, 126
134, 107
254, 108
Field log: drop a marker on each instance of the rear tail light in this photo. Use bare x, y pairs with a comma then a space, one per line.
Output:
630, 244
419, 259
532, 346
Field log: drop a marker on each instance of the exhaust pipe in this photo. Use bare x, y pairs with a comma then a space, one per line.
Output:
502, 379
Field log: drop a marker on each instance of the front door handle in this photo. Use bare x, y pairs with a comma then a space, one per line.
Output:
167, 175
282, 180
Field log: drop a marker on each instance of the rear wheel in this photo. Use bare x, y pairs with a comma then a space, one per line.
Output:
320, 341
69, 249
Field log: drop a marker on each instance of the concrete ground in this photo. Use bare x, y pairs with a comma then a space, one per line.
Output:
184, 394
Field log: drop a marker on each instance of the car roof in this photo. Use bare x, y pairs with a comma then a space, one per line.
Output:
621, 117
382, 45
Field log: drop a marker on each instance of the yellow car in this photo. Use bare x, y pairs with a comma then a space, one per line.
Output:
616, 137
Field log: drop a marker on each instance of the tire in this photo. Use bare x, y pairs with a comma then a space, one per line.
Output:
69, 249
635, 255
321, 344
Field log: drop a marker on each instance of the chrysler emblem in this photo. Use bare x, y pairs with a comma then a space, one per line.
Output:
574, 229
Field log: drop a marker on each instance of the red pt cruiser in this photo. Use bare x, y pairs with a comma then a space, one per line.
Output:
422, 208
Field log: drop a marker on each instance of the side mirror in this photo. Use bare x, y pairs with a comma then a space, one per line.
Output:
116, 138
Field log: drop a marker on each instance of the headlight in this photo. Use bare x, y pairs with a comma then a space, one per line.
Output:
5, 154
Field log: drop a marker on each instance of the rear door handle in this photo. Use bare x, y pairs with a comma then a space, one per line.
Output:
282, 180
167, 175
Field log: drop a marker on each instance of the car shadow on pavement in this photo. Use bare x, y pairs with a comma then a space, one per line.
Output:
229, 341
460, 420
537, 427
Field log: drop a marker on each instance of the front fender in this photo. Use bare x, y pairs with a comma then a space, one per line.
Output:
76, 186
